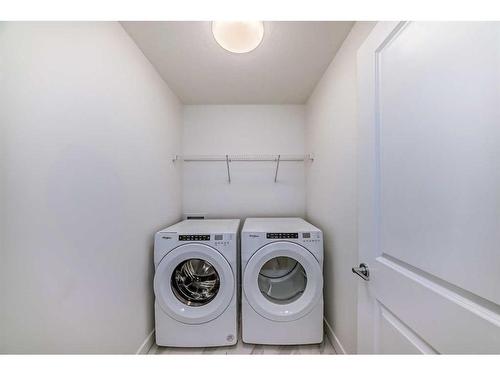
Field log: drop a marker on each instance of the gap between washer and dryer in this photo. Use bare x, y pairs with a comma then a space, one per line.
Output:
241, 348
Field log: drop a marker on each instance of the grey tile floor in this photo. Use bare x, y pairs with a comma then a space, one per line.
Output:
241, 348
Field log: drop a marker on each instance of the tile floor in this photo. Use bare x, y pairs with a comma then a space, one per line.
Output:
241, 348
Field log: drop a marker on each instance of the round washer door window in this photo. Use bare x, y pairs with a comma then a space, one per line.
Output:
194, 283
283, 281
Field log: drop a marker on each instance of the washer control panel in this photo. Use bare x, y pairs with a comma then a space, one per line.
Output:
194, 237
311, 237
275, 236
222, 239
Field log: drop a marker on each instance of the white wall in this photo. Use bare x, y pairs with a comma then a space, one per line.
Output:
243, 129
331, 134
88, 128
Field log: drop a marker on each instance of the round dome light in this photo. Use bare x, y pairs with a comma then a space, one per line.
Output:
238, 37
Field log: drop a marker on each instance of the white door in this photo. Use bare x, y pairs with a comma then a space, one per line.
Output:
429, 188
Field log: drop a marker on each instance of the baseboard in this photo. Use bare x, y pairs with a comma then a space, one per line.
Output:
339, 349
147, 344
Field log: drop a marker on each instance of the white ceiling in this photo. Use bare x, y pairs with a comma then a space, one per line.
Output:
283, 69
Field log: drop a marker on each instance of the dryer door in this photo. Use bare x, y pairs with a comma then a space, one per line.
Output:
194, 283
283, 281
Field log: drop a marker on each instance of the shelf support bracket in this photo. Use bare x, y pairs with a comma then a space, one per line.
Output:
277, 167
228, 170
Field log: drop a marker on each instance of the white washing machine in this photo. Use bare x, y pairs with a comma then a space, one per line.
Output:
195, 283
282, 281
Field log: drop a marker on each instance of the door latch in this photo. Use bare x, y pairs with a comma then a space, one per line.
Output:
362, 271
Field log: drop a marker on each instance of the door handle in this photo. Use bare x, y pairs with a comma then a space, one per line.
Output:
362, 271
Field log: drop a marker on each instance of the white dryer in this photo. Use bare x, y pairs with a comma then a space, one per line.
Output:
282, 281
195, 283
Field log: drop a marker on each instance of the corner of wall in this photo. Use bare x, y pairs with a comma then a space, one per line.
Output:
331, 183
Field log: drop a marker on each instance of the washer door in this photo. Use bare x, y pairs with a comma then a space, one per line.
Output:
283, 281
194, 283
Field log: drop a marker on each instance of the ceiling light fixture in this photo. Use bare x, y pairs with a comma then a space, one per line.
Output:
238, 37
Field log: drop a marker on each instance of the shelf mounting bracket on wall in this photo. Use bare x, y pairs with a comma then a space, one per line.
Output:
277, 167
228, 169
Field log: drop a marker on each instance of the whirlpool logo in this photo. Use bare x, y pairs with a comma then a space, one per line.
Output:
253, 236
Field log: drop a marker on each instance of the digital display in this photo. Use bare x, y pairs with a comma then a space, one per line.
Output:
306, 235
282, 235
194, 237
218, 237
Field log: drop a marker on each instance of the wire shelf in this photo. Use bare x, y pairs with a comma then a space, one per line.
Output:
244, 157
229, 158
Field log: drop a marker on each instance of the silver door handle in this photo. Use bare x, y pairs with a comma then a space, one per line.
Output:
362, 271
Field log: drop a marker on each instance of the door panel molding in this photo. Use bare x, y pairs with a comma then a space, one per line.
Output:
439, 316
481, 306
405, 332
470, 144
